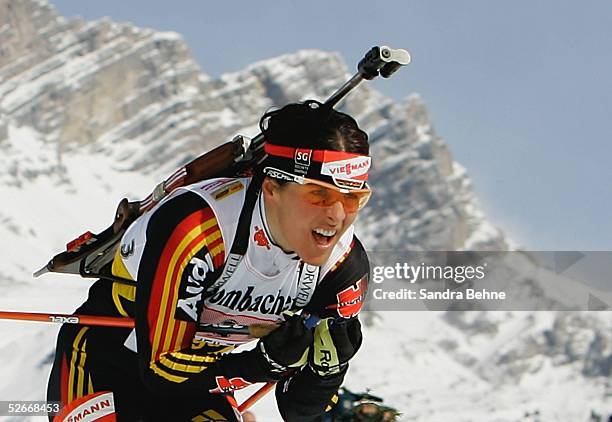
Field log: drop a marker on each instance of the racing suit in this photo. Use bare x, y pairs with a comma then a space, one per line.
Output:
168, 367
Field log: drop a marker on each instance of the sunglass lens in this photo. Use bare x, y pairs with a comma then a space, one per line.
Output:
325, 197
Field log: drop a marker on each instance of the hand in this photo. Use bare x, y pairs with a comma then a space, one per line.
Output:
287, 346
335, 343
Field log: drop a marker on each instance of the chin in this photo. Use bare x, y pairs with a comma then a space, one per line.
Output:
316, 260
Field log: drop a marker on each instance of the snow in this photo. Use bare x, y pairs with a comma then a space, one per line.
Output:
42, 232
167, 36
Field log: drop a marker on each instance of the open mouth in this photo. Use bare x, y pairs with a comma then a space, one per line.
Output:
323, 237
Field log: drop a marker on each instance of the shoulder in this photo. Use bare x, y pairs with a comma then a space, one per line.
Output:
207, 207
224, 195
217, 201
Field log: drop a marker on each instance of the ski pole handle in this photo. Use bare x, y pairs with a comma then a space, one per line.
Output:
310, 321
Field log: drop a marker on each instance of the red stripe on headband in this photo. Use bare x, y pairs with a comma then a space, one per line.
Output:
318, 155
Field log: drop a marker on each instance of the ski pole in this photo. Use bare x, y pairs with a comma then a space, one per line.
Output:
310, 321
106, 321
256, 396
121, 322
103, 321
256, 331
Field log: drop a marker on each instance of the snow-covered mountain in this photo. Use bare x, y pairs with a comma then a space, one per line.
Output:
91, 112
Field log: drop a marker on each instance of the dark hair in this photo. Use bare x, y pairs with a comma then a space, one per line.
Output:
313, 125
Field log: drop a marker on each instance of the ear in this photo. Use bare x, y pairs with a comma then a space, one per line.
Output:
269, 187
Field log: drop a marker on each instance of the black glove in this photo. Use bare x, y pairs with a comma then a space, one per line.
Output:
287, 346
335, 343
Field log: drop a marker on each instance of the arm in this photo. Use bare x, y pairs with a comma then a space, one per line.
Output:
338, 299
183, 251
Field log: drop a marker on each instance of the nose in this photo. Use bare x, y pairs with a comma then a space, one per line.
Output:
336, 211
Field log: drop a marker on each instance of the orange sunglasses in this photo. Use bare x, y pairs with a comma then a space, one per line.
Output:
323, 194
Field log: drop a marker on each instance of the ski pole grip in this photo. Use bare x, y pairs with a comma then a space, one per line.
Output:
312, 321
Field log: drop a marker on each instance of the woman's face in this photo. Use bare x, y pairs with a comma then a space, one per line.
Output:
311, 231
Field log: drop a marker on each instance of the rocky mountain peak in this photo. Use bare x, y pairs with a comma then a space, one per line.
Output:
74, 81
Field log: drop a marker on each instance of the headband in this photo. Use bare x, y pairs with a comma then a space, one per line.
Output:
345, 170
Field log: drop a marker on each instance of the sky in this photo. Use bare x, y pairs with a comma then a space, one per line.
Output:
520, 91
